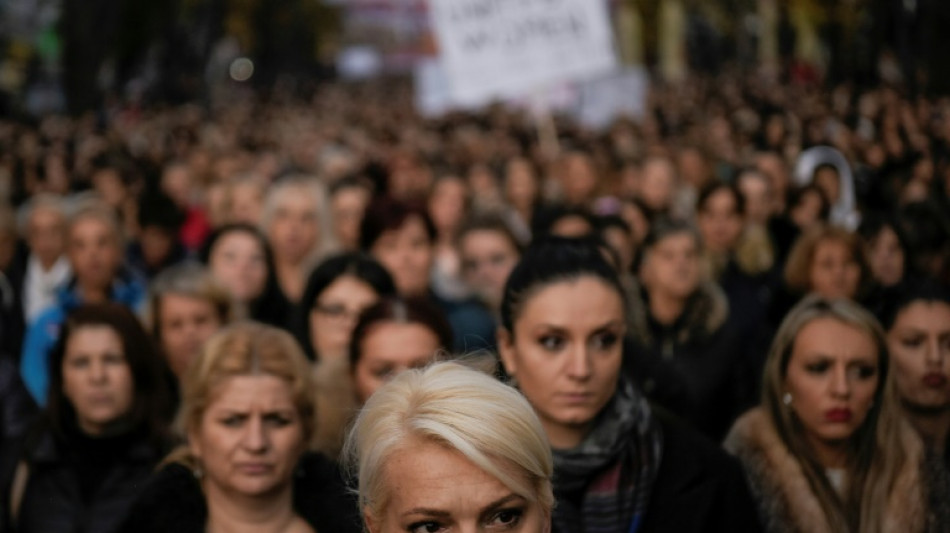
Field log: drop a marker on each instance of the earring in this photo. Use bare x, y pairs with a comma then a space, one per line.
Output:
787, 399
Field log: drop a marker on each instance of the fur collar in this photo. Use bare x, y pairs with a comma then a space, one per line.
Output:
786, 500
706, 312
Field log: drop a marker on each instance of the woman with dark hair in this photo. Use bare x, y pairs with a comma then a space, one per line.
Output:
917, 322
401, 237
102, 433
240, 258
390, 337
685, 349
619, 464
885, 248
338, 290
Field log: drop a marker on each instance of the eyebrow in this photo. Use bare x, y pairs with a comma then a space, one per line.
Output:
445, 514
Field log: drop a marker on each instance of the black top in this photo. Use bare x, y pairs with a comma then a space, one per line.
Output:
173, 501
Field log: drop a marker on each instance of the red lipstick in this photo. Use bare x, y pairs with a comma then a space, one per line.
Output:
935, 380
838, 415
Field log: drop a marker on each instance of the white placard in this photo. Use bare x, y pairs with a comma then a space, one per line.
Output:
496, 49
621, 94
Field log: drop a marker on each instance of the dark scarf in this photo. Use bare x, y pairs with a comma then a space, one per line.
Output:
603, 485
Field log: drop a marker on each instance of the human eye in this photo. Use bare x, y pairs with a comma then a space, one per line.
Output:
232, 420
913, 341
79, 362
865, 371
604, 340
278, 419
506, 519
114, 359
552, 343
818, 367
425, 527
383, 372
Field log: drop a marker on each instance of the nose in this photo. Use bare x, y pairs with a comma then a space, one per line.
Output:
579, 364
934, 354
97, 372
255, 436
840, 385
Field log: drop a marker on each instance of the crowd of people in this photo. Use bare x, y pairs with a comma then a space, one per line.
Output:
730, 314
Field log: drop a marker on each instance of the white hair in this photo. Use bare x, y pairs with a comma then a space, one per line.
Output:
491, 424
312, 186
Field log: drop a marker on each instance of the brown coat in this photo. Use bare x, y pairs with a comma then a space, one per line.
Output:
786, 501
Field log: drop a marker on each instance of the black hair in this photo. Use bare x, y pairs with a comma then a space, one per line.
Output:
151, 403
358, 265
712, 188
556, 214
908, 292
410, 309
156, 209
552, 260
488, 221
387, 214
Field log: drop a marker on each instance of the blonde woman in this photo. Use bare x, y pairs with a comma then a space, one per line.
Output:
827, 450
449, 448
247, 414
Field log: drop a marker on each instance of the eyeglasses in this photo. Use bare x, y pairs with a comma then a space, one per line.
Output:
337, 312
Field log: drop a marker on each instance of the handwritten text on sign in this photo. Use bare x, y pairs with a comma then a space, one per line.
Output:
508, 48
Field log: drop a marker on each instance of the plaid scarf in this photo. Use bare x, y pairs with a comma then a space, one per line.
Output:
603, 485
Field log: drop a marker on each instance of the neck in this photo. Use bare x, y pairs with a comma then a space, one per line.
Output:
234, 513
564, 437
91, 294
830, 454
932, 424
290, 278
47, 263
664, 308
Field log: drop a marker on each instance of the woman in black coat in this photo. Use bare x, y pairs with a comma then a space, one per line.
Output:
684, 349
102, 433
247, 414
620, 465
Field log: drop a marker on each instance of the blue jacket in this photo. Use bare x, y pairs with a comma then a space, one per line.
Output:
42, 335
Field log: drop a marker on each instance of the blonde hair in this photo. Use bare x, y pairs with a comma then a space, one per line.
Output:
243, 349
489, 423
92, 207
878, 450
315, 189
798, 267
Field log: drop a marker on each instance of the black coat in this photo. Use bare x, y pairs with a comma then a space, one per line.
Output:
697, 367
699, 487
173, 501
77, 484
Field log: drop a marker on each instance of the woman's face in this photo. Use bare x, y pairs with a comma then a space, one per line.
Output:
832, 375
294, 227
430, 487
238, 261
834, 271
250, 437
406, 252
247, 202
886, 257
807, 212
720, 221
521, 186
94, 253
487, 259
348, 206
334, 315
919, 343
447, 204
565, 352
185, 323
389, 348
672, 266
97, 379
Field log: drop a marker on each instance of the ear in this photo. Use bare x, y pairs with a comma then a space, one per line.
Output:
371, 525
194, 444
506, 351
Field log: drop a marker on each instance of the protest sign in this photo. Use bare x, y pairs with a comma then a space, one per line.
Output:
499, 49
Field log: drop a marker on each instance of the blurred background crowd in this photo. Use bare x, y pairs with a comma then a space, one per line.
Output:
786, 149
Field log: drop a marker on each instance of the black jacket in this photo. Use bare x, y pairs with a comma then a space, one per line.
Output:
173, 501
697, 367
77, 484
699, 488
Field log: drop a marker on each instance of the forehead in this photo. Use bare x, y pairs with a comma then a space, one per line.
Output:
425, 474
95, 337
90, 224
484, 238
349, 287
237, 240
399, 343
251, 392
579, 304
831, 337
924, 314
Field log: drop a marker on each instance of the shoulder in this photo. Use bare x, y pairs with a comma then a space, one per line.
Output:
687, 450
171, 501
322, 498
